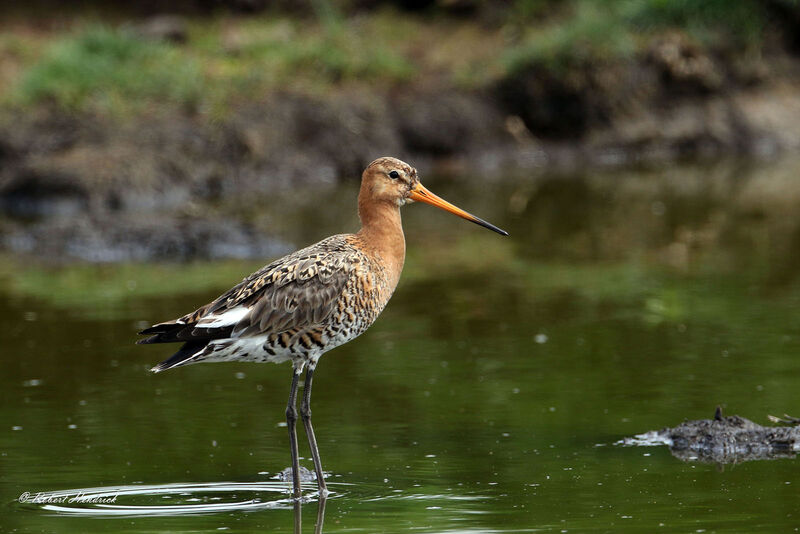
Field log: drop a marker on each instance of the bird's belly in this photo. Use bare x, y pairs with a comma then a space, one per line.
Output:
280, 348
257, 349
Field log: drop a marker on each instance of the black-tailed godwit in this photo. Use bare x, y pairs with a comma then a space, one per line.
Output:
311, 301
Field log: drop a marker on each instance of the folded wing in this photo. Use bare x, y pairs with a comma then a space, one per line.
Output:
296, 292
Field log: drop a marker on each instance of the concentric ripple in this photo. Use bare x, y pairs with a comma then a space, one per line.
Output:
165, 499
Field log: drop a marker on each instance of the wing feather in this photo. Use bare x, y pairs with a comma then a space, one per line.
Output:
298, 291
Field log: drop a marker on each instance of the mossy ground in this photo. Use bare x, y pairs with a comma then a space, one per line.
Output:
100, 65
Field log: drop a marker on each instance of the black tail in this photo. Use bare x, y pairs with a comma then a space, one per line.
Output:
176, 332
182, 357
162, 333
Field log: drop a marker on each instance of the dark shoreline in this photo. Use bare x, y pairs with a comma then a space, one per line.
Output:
71, 182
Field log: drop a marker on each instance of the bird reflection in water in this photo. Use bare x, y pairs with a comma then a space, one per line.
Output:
298, 521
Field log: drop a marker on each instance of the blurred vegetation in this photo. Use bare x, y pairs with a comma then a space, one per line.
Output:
103, 69
587, 31
91, 62
112, 69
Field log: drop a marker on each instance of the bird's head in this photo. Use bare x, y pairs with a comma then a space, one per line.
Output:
391, 180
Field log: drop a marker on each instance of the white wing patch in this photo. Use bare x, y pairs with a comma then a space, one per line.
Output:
227, 318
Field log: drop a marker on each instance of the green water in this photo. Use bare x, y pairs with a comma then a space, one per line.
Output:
487, 397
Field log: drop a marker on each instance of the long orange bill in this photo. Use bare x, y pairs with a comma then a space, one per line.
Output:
421, 194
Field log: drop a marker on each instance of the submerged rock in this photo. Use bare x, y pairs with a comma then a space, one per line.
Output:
722, 440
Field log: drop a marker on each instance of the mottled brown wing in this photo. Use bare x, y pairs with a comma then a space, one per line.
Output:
299, 294
294, 292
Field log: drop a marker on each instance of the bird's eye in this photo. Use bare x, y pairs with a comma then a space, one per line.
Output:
394, 175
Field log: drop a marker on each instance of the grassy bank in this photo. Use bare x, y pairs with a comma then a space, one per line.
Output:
106, 66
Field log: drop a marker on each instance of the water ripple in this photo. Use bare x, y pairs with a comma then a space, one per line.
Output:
173, 499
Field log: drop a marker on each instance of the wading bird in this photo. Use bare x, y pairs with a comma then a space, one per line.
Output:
311, 301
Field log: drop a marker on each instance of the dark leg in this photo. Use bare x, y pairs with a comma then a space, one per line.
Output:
305, 413
291, 419
298, 515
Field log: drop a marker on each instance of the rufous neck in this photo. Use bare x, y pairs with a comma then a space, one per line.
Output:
382, 232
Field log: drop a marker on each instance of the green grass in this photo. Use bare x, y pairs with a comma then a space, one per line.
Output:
110, 69
741, 21
591, 32
228, 60
113, 71
282, 49
584, 31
